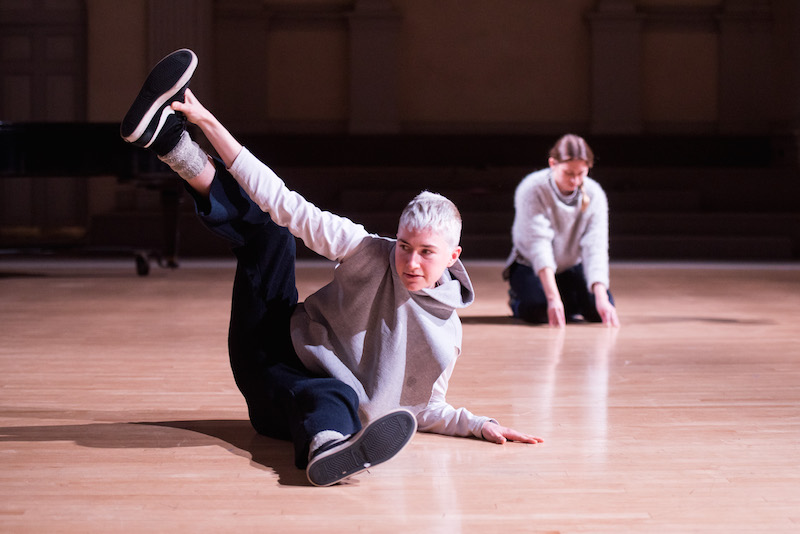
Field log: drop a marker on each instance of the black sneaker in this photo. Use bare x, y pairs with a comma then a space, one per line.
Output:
377, 442
151, 122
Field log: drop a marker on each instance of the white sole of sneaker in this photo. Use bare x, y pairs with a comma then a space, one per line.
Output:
376, 443
165, 97
166, 112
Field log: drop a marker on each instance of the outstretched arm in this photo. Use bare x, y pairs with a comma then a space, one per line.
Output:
497, 433
555, 306
607, 311
326, 234
440, 417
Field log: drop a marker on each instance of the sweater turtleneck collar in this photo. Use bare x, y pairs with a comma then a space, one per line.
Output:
569, 200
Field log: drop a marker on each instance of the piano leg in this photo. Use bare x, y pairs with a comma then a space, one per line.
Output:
170, 204
170, 193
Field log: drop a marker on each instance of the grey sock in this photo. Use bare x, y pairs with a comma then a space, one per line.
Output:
187, 158
321, 438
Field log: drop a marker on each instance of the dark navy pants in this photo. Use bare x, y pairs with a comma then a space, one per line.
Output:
284, 399
529, 303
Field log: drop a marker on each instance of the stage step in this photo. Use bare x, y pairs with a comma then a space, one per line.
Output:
674, 213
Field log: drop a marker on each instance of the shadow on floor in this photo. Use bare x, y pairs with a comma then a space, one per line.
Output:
235, 436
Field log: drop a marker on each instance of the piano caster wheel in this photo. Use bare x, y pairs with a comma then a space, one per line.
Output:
142, 265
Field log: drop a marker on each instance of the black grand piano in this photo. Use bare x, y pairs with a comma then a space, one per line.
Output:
93, 149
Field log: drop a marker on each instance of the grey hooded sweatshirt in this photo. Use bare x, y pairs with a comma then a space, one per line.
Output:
394, 347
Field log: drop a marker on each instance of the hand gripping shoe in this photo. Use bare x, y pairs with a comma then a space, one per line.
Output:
151, 122
376, 443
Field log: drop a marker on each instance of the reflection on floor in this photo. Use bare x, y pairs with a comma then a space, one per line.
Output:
118, 412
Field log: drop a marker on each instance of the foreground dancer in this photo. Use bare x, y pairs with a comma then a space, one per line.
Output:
377, 345
558, 266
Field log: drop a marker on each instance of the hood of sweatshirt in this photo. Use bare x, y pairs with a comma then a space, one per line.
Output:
454, 290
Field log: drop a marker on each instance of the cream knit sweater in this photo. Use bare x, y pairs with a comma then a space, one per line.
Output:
550, 230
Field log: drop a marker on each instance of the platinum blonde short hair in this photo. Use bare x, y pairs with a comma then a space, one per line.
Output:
433, 212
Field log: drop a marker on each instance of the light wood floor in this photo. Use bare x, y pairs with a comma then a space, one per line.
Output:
118, 412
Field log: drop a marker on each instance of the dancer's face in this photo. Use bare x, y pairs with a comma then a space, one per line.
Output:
421, 257
569, 175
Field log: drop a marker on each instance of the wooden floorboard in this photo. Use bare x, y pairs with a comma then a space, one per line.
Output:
118, 412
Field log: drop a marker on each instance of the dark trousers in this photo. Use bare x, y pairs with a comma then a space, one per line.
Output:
529, 303
284, 399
